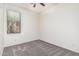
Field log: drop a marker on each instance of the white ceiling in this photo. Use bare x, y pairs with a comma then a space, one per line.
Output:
38, 7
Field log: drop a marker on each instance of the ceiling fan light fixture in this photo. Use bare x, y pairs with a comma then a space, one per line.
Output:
34, 4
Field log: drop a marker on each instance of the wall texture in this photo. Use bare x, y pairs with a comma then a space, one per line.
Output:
61, 26
1, 29
29, 26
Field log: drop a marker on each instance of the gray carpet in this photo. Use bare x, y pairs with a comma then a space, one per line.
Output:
37, 48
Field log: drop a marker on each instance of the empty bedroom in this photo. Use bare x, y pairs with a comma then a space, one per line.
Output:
39, 29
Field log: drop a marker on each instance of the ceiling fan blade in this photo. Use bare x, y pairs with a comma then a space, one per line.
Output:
42, 4
34, 5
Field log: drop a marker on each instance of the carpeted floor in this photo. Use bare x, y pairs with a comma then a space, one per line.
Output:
37, 48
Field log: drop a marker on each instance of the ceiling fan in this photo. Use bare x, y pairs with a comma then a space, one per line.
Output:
34, 4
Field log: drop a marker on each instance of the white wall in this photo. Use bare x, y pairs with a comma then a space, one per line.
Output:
61, 26
29, 26
1, 29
